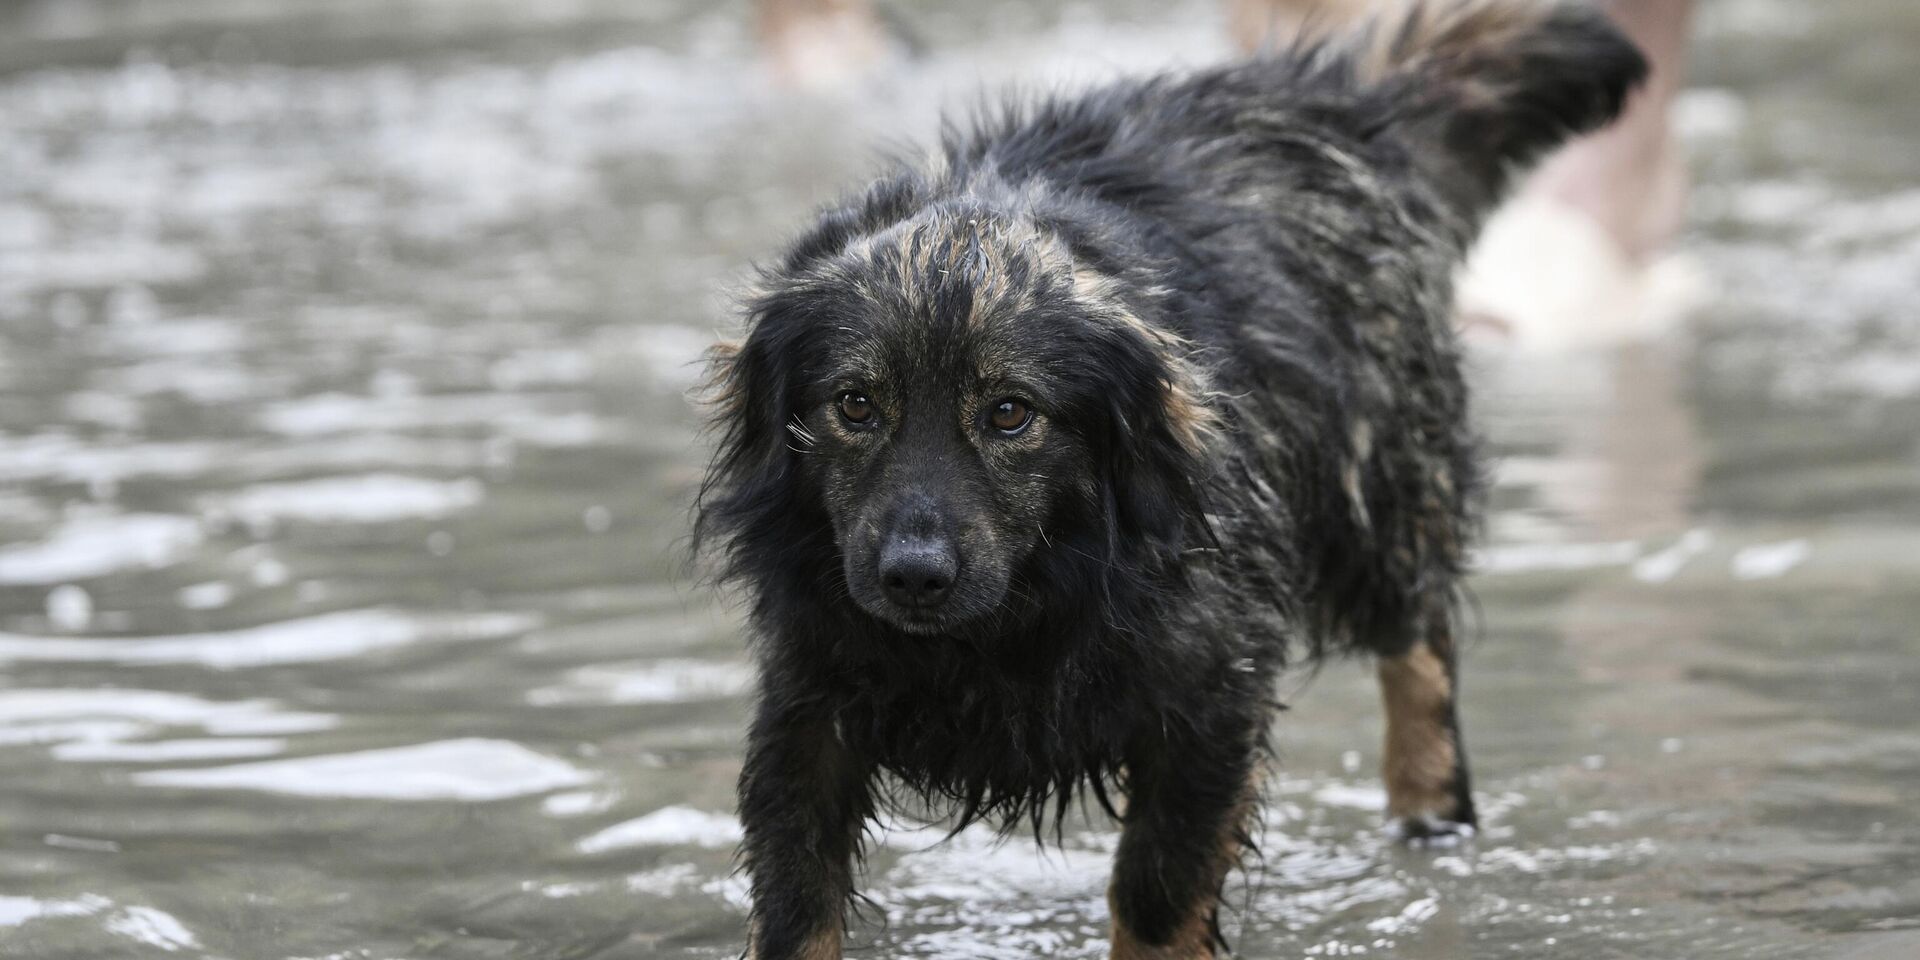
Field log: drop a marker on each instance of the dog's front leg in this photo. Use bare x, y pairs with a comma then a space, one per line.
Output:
803, 798
1188, 801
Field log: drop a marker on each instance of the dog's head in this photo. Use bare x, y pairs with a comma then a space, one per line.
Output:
982, 422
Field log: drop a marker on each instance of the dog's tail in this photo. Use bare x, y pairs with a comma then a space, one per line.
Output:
1482, 88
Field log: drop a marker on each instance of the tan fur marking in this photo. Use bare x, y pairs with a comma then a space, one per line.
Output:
1420, 755
824, 945
1360, 451
1194, 423
1408, 35
937, 243
940, 242
1272, 24
719, 388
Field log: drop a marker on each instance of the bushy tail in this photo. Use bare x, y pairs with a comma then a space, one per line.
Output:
1484, 87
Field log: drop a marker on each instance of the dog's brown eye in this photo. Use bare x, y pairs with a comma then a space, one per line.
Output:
856, 408
1010, 416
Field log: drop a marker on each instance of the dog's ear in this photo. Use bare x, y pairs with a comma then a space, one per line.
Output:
747, 483
1159, 433
1154, 478
1484, 87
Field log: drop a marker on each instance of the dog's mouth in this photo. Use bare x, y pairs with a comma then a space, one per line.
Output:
924, 623
921, 624
944, 620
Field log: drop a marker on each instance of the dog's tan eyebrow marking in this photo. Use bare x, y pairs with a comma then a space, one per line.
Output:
938, 242
1187, 410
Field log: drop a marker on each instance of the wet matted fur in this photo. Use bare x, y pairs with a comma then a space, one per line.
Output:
1038, 461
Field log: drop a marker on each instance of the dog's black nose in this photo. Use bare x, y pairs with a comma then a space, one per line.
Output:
917, 572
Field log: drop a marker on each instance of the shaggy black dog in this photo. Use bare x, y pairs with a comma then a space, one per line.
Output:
1039, 462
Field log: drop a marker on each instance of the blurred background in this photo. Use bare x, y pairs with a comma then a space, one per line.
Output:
345, 462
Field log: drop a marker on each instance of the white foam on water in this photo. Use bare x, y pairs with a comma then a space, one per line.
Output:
666, 827
1370, 799
168, 751
155, 928
147, 925
576, 803
665, 880
1410, 918
1765, 561
61, 456
93, 263
89, 844
369, 498
977, 866
18, 706
181, 336
648, 681
1537, 860
332, 636
210, 595
1665, 565
93, 545
372, 451
561, 891
107, 725
60, 731
472, 769
978, 896
1532, 557
15, 911
69, 607
333, 413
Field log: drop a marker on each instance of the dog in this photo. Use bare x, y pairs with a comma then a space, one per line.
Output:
1038, 461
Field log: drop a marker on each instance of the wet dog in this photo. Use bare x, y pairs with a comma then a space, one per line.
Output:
1038, 461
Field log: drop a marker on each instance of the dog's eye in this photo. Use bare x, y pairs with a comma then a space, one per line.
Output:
1010, 416
856, 408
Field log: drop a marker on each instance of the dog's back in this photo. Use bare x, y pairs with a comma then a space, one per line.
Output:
1298, 219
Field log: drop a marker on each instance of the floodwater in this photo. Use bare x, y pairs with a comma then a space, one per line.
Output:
344, 466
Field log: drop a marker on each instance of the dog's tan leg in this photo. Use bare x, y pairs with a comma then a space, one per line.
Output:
1424, 764
1191, 935
824, 945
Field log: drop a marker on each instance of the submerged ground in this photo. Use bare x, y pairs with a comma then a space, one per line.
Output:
344, 460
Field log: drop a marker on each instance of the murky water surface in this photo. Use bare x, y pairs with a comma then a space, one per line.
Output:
344, 455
